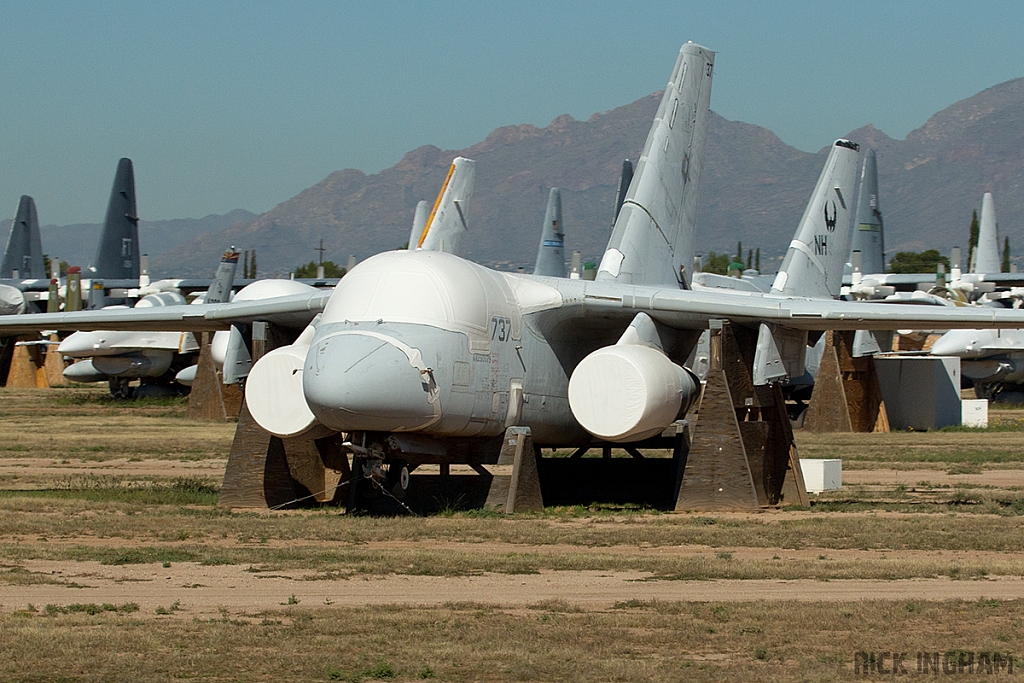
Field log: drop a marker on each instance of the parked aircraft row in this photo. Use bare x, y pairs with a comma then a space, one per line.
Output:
422, 356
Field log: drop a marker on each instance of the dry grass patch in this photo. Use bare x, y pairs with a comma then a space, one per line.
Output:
87, 425
971, 446
656, 641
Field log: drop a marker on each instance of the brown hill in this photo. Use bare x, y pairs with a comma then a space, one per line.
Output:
754, 188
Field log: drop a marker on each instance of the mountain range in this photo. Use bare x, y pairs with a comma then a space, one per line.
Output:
77, 243
754, 188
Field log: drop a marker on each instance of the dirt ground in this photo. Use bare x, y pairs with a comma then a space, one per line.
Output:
200, 590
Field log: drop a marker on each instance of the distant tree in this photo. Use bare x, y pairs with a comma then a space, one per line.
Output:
757, 260
63, 265
252, 265
972, 240
739, 251
331, 269
245, 266
913, 262
750, 259
716, 263
1006, 255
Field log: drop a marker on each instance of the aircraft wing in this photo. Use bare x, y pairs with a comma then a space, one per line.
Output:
686, 309
295, 311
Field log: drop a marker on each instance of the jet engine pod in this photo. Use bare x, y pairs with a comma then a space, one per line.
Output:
273, 392
629, 392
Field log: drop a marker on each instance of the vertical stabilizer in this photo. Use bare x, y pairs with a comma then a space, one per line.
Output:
419, 221
625, 178
868, 233
813, 265
986, 255
118, 254
224, 279
24, 251
551, 253
446, 224
652, 241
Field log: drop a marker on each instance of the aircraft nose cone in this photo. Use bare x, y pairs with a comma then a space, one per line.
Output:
354, 382
80, 344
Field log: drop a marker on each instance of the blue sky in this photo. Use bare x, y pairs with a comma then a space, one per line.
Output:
226, 105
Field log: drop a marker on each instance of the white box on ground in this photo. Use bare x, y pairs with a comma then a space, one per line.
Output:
974, 412
822, 475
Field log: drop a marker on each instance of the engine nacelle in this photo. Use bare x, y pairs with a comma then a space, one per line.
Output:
630, 392
273, 392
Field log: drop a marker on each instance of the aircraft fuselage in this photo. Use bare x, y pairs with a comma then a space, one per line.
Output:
428, 342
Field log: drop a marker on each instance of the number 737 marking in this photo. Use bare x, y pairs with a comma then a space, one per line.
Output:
502, 330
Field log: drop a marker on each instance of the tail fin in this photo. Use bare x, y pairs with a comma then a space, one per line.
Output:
220, 287
551, 253
986, 255
24, 251
814, 263
419, 221
118, 255
620, 194
446, 224
652, 241
868, 233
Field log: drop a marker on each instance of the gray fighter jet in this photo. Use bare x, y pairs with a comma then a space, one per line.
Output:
420, 356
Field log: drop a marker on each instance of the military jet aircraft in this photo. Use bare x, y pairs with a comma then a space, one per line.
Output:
422, 356
118, 357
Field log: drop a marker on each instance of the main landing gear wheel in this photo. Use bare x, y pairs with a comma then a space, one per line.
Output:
398, 478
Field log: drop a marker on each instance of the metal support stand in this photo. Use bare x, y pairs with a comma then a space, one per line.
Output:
520, 490
209, 398
743, 456
27, 369
266, 471
847, 396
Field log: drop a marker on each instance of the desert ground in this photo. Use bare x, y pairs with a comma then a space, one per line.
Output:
116, 563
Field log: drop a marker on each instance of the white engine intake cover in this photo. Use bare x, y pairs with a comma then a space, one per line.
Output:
273, 392
629, 392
